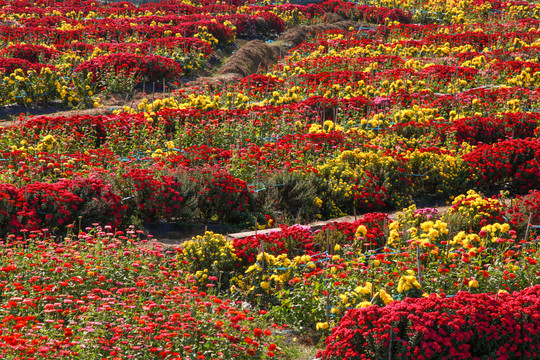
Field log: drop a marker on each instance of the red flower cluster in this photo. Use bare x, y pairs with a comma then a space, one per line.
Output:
489, 130
222, 195
264, 23
366, 13
187, 44
446, 73
57, 205
30, 52
9, 65
467, 326
148, 67
523, 207
155, 198
514, 160
375, 224
512, 67
292, 240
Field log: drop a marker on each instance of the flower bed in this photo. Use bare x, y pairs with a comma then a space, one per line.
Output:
466, 326
102, 293
352, 121
147, 68
157, 42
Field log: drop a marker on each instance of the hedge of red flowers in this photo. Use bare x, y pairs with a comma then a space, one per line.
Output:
9, 65
523, 205
30, 52
512, 160
486, 130
467, 326
367, 13
59, 205
148, 68
98, 197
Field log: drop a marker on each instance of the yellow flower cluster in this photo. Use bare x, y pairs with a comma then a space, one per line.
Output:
291, 96
416, 114
270, 271
525, 79
465, 241
203, 34
360, 231
322, 326
407, 283
211, 252
432, 233
46, 143
393, 234
327, 127
385, 297
473, 207
364, 290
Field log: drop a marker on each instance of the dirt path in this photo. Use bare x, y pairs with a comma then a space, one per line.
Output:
173, 242
320, 224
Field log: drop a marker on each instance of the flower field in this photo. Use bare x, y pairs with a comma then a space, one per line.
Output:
408, 105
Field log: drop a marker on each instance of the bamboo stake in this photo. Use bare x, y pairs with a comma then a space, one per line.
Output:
390, 342
418, 264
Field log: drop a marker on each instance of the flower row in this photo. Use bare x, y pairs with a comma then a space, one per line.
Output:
503, 326
115, 199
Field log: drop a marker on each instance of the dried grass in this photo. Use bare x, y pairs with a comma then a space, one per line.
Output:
296, 36
253, 56
257, 55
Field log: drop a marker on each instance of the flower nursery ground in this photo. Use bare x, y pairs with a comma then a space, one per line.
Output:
198, 179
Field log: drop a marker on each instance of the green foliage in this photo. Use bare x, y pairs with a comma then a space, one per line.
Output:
293, 194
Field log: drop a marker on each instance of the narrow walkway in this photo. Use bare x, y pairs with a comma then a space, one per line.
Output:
319, 224
314, 226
